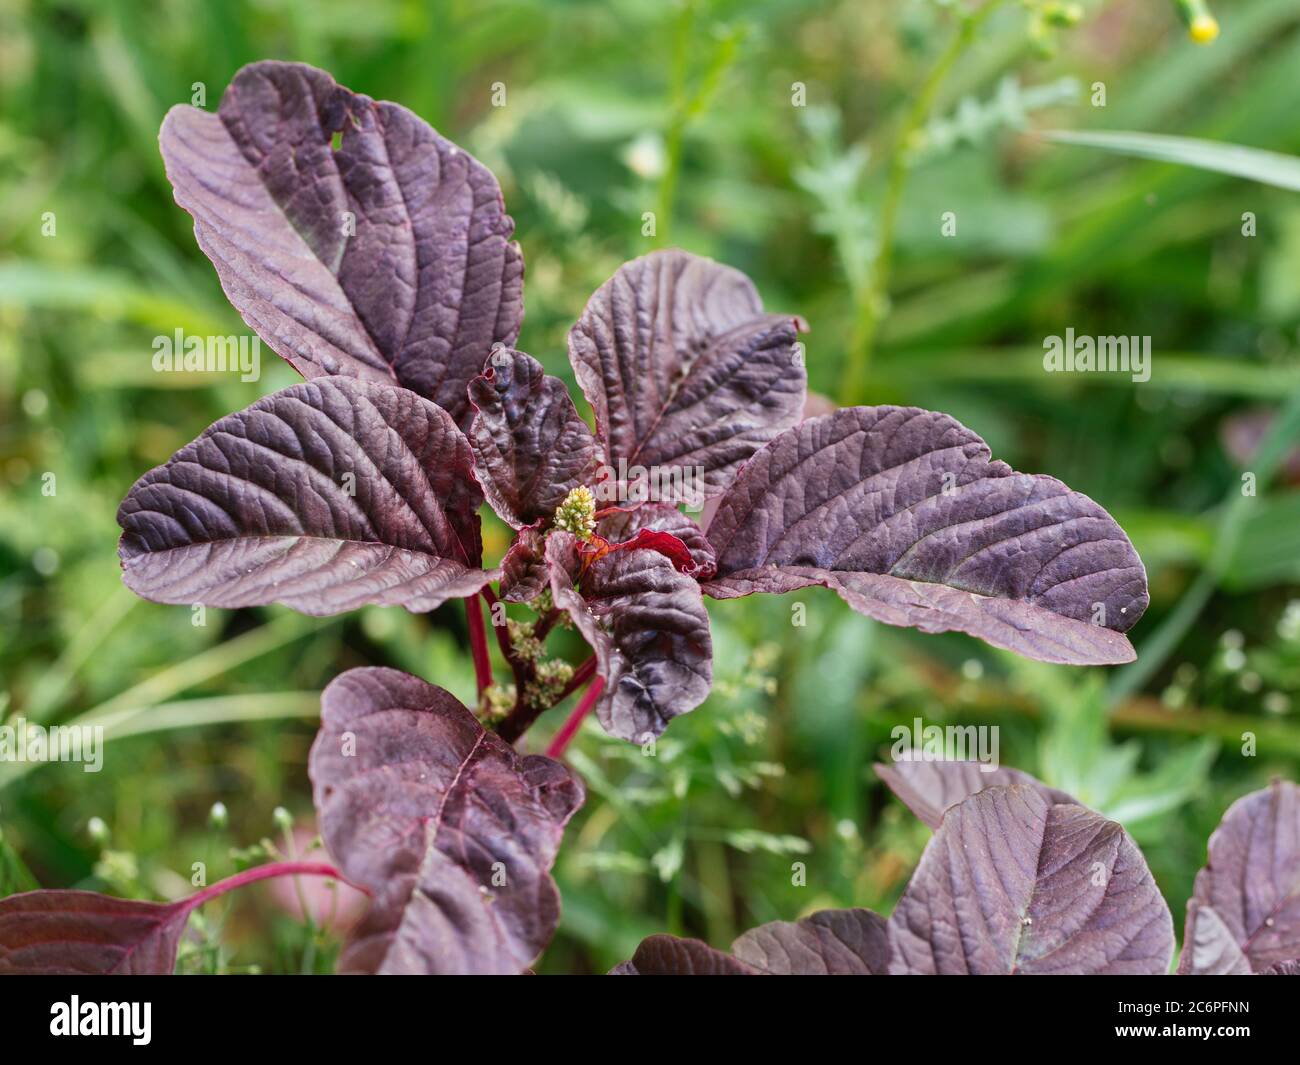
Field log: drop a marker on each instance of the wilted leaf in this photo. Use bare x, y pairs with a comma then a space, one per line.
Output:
85, 933
928, 789
649, 629
683, 368
828, 943
1251, 883
387, 258
624, 525
530, 446
1014, 883
324, 496
902, 512
452, 829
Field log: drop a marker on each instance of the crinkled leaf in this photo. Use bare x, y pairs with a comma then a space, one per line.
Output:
1014, 883
624, 525
451, 828
387, 258
683, 368
663, 955
530, 446
524, 573
85, 933
928, 789
827, 943
649, 629
902, 512
324, 496
1251, 882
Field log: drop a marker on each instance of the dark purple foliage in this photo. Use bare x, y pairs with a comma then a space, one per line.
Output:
450, 828
1244, 915
903, 513
325, 496
388, 258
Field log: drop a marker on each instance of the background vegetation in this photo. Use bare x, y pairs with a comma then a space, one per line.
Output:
613, 109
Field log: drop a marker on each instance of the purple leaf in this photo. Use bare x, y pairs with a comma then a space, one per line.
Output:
827, 943
684, 370
649, 629
624, 525
1251, 883
1283, 968
929, 789
85, 933
452, 829
669, 956
1209, 948
1014, 883
388, 258
524, 573
324, 496
530, 446
902, 512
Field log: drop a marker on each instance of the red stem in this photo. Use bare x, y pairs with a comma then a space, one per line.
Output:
263, 872
478, 644
570, 728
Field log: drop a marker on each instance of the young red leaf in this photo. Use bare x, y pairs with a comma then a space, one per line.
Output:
530, 446
387, 258
902, 512
1012, 883
451, 829
698, 560
85, 933
683, 368
1247, 898
929, 789
649, 629
324, 496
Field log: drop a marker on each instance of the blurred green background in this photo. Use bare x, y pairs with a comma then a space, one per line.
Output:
613, 109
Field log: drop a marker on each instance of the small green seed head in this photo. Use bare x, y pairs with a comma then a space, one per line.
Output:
577, 514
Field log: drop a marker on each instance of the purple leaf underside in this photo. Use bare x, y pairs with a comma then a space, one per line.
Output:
903, 513
929, 789
87, 934
1244, 914
827, 943
325, 496
449, 826
646, 623
530, 445
684, 369
1012, 883
388, 258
